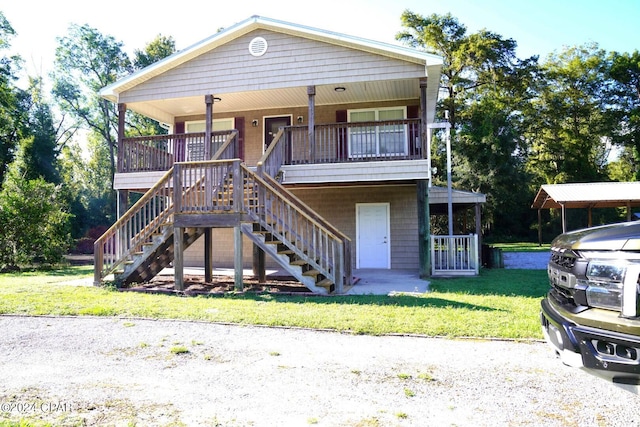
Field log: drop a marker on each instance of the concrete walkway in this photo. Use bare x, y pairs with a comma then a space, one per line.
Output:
385, 282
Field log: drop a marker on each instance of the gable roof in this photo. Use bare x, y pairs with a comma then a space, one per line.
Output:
588, 195
253, 23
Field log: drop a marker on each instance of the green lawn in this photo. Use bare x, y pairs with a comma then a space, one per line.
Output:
522, 247
499, 303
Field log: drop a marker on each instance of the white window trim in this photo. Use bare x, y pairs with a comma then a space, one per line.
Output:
376, 118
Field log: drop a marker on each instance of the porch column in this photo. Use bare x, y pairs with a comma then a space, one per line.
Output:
122, 112
208, 100
422, 187
208, 180
539, 227
424, 228
311, 121
259, 265
479, 230
237, 260
208, 255
123, 202
178, 258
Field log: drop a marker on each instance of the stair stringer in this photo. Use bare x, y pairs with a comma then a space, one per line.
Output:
156, 256
282, 260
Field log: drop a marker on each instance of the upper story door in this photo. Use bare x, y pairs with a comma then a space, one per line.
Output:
271, 127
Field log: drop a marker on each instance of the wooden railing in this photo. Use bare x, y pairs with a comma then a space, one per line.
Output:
159, 152
313, 215
299, 228
134, 229
354, 142
268, 169
454, 255
146, 217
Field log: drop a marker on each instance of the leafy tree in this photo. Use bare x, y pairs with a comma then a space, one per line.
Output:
570, 126
12, 111
487, 91
38, 152
34, 222
87, 61
625, 93
157, 49
470, 60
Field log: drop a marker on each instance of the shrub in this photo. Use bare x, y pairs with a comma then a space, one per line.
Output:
34, 222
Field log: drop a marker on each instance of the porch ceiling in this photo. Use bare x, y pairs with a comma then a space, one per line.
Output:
165, 110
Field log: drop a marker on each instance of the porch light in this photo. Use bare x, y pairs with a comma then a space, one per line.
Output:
216, 99
300, 119
340, 89
254, 123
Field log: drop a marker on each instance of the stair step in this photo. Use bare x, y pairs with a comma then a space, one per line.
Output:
299, 262
326, 283
311, 273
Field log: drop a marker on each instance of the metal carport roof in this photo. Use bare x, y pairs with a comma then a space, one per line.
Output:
588, 195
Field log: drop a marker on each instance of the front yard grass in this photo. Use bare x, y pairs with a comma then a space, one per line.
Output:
498, 304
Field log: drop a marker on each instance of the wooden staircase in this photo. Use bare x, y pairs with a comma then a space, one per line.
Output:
299, 267
141, 243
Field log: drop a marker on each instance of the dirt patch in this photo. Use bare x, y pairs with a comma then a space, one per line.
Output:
196, 285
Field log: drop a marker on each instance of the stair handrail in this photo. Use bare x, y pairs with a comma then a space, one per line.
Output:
335, 263
229, 148
346, 240
273, 157
122, 245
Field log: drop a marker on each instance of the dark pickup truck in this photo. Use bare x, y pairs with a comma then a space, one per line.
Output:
591, 315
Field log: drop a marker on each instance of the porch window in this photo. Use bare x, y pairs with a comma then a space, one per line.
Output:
216, 125
195, 146
372, 140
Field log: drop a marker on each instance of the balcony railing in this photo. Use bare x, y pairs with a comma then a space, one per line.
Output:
330, 143
354, 142
159, 152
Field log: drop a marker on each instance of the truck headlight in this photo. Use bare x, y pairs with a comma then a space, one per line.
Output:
612, 286
604, 285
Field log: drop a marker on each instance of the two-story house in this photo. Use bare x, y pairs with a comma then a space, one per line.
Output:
308, 146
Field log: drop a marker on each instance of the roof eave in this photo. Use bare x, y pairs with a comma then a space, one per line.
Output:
112, 91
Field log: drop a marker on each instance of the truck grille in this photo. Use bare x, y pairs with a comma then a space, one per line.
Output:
563, 260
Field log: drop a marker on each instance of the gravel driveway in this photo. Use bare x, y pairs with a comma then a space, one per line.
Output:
107, 371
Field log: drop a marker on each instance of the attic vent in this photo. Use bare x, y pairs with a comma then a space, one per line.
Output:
258, 46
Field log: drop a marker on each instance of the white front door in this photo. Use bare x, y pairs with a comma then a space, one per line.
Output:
372, 234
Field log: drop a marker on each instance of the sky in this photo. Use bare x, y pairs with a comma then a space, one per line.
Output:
539, 27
